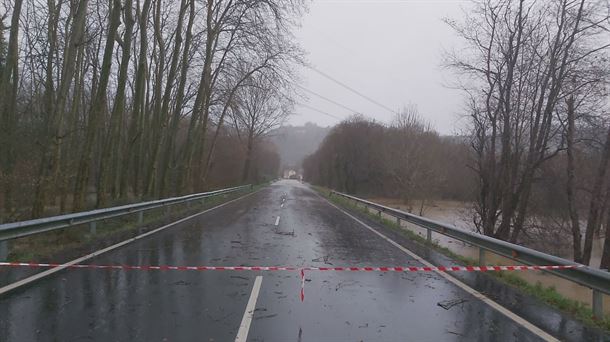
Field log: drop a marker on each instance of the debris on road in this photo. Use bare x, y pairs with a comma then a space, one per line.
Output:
267, 316
279, 232
448, 304
181, 283
324, 259
240, 277
454, 333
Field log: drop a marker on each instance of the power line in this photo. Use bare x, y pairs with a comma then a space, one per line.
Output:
353, 90
327, 99
319, 111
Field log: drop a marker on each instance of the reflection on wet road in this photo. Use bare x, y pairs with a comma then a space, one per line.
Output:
286, 224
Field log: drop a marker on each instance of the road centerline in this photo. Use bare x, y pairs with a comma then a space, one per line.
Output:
277, 221
246, 321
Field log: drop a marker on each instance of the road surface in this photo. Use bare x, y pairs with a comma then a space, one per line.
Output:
284, 224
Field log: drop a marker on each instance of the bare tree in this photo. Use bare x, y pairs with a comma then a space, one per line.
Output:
410, 155
522, 56
258, 109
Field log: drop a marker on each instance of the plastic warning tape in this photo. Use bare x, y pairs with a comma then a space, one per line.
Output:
293, 268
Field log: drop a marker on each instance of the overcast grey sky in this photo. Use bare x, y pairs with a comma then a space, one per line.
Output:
389, 50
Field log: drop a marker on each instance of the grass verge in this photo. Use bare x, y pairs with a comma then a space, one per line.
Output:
548, 295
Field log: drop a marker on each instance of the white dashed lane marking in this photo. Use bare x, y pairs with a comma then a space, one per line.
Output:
244, 327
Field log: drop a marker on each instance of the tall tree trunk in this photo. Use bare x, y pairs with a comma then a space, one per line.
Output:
605, 262
112, 139
199, 119
522, 204
72, 124
98, 105
157, 122
186, 155
170, 137
131, 156
596, 203
205, 164
571, 186
164, 114
49, 91
8, 105
52, 155
249, 147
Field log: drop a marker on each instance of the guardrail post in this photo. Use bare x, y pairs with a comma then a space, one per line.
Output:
167, 212
203, 201
3, 250
366, 208
379, 213
429, 235
92, 227
598, 302
188, 204
481, 256
398, 222
140, 221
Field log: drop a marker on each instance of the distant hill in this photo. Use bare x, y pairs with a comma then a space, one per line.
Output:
294, 143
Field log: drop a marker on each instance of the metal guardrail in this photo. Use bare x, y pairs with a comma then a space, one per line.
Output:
15, 230
597, 280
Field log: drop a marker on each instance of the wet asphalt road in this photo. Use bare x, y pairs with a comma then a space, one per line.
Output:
113, 305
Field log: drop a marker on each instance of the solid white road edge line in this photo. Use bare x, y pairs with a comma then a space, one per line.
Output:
277, 221
244, 327
48, 272
518, 319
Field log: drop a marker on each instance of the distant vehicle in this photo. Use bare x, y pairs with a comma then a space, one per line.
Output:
294, 177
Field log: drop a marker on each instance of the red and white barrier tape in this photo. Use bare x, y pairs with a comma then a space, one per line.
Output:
293, 268
300, 269
302, 285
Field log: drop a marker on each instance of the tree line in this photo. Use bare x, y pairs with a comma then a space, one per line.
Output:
406, 159
103, 101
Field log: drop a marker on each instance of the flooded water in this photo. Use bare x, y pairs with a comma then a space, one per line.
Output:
455, 213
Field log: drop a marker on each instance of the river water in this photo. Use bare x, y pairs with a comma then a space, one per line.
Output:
456, 213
